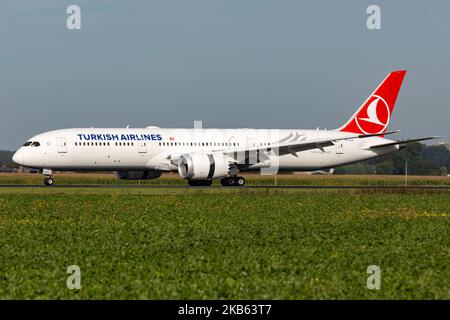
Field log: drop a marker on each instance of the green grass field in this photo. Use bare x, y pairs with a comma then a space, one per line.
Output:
224, 243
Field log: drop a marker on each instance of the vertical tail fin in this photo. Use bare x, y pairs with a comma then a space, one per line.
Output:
374, 114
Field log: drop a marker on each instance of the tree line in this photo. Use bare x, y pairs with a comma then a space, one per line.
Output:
417, 158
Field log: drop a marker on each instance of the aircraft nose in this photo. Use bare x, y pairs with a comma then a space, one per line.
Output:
18, 157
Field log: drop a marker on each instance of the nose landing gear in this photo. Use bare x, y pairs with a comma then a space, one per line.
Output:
48, 181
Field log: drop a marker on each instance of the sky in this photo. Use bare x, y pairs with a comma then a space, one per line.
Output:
228, 63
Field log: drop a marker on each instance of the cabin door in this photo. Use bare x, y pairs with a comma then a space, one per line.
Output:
61, 145
339, 148
142, 147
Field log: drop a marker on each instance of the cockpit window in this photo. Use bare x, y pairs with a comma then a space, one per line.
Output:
35, 144
27, 144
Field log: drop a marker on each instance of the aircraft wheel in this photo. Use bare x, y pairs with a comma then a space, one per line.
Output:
239, 181
227, 182
48, 181
207, 183
200, 183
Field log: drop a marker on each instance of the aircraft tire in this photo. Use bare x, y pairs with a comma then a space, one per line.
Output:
48, 181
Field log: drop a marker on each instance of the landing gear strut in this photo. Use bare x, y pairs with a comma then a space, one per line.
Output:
233, 181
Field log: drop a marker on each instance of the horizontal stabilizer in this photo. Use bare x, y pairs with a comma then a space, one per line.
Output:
402, 142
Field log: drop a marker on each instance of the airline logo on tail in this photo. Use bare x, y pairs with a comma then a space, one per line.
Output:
375, 118
375, 113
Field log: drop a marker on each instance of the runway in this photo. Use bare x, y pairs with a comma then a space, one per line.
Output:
124, 186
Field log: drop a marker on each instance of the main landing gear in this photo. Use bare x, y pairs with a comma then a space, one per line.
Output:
48, 181
233, 181
200, 183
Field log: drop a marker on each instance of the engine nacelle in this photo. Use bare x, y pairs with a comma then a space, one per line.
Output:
200, 166
138, 175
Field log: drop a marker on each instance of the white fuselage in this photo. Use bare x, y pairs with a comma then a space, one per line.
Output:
153, 148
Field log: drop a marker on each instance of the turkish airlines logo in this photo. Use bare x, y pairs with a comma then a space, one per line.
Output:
375, 117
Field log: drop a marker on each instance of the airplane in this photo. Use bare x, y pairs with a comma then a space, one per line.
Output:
201, 155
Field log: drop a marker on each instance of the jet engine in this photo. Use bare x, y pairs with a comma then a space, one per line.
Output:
138, 175
200, 166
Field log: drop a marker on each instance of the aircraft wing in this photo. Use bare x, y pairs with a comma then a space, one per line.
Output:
400, 142
282, 148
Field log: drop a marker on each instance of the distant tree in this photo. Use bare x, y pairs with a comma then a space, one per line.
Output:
443, 171
12, 165
439, 155
422, 167
385, 168
357, 168
422, 160
5, 157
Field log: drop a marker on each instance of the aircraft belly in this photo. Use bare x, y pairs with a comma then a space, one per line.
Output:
308, 160
96, 161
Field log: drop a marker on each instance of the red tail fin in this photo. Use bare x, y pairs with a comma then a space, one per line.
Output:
375, 113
